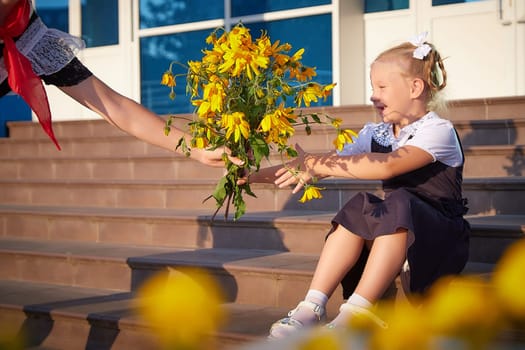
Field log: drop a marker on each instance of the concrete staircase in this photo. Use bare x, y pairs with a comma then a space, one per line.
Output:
81, 229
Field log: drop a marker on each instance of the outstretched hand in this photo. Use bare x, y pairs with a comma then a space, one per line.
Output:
294, 172
214, 157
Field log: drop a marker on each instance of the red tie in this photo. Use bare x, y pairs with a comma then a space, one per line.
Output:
21, 77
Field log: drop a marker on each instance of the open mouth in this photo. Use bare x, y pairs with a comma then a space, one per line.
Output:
379, 108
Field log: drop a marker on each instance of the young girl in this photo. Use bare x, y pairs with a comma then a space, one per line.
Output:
29, 51
419, 225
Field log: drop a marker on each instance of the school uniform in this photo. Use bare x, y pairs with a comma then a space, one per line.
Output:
427, 202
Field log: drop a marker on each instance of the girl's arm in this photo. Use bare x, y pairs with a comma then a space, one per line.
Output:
136, 120
368, 166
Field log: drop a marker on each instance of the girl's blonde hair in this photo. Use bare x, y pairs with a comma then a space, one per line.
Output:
430, 69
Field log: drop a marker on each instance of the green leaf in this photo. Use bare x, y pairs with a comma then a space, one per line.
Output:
260, 149
248, 190
291, 152
220, 191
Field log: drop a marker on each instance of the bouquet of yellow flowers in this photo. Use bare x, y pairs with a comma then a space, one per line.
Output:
245, 93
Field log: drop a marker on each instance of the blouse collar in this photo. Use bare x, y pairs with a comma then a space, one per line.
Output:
383, 133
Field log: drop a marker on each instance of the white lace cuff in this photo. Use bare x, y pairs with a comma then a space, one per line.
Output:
48, 50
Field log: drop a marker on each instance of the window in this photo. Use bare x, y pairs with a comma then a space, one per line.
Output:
447, 2
157, 13
313, 33
385, 5
54, 13
100, 22
243, 7
156, 54
298, 27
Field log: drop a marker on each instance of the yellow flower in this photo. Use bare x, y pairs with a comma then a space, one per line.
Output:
327, 90
336, 122
309, 94
320, 339
182, 307
235, 124
168, 79
508, 278
463, 308
343, 137
311, 192
214, 94
204, 108
277, 125
407, 327
200, 136
305, 73
239, 89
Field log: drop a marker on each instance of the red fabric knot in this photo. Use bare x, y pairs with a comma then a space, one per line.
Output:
21, 77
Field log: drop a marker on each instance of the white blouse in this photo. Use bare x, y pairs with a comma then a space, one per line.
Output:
431, 133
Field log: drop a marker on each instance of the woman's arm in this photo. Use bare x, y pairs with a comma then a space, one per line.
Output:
5, 8
136, 120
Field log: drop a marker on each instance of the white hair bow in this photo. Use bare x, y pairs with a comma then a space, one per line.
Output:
422, 49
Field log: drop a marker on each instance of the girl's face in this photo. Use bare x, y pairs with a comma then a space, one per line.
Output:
391, 91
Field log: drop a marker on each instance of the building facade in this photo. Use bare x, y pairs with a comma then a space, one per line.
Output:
130, 43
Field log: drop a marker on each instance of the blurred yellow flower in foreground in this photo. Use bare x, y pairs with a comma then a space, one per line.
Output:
10, 337
407, 327
508, 281
463, 308
182, 307
322, 339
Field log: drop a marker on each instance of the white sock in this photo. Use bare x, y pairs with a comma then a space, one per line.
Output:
358, 300
343, 316
316, 296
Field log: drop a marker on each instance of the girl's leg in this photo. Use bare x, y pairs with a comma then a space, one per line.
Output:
339, 254
387, 255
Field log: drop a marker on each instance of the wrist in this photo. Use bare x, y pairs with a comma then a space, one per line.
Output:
309, 163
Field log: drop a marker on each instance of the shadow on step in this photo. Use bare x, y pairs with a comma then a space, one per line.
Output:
517, 160
101, 329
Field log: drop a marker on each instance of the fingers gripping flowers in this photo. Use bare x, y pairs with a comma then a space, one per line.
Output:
245, 93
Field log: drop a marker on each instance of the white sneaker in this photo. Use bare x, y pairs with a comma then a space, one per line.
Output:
288, 325
351, 310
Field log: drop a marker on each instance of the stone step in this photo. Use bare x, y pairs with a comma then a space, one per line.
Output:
247, 276
499, 195
108, 141
65, 317
459, 110
286, 231
504, 160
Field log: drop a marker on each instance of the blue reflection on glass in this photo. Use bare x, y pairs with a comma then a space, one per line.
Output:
54, 13
100, 22
448, 2
385, 5
243, 7
157, 13
156, 54
314, 34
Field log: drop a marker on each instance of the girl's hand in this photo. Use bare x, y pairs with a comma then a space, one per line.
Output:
295, 172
